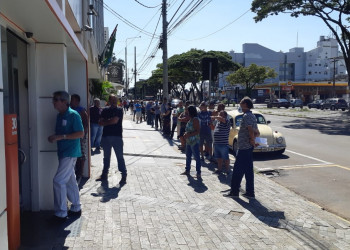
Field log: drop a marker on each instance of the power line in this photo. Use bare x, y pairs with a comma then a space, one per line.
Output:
220, 28
127, 22
152, 37
146, 5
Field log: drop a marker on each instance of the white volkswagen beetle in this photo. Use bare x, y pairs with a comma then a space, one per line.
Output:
275, 140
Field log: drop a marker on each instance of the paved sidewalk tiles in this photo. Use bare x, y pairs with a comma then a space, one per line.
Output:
160, 209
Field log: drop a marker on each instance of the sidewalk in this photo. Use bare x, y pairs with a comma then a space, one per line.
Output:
160, 209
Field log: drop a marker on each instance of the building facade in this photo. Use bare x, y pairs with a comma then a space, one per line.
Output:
46, 46
320, 70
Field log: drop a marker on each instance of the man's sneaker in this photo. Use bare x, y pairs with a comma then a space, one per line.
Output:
74, 213
186, 173
231, 195
218, 172
102, 177
123, 180
248, 196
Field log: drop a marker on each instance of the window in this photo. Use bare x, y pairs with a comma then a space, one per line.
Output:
326, 65
310, 64
315, 64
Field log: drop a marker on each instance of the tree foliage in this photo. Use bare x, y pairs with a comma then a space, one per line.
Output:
334, 13
186, 68
250, 76
100, 89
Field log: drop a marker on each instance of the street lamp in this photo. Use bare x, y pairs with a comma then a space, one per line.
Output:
126, 63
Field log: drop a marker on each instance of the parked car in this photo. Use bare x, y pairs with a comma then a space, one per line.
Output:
334, 104
275, 140
279, 103
315, 104
296, 103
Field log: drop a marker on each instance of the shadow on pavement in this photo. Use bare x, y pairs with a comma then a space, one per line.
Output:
270, 156
106, 193
197, 184
39, 232
329, 127
262, 213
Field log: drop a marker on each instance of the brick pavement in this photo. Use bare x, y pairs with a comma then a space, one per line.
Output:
160, 209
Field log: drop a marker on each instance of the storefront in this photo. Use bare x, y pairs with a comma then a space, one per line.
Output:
40, 54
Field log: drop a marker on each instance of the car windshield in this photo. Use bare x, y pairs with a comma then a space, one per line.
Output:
259, 119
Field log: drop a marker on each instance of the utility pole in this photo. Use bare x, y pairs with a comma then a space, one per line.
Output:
126, 73
164, 43
135, 71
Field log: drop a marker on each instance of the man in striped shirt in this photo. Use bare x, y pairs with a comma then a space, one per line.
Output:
221, 134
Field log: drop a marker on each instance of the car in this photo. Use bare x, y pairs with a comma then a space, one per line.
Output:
334, 104
315, 104
175, 102
275, 140
278, 103
296, 103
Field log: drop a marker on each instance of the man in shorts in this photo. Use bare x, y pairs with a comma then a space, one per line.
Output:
221, 135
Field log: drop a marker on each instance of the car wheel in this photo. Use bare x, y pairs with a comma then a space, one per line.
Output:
322, 107
234, 148
309, 106
301, 107
332, 108
269, 106
343, 109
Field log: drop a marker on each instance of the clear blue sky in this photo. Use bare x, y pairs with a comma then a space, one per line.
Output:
278, 33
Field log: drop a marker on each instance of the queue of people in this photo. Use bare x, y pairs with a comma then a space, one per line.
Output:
202, 133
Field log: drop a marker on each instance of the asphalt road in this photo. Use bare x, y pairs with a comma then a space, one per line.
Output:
316, 163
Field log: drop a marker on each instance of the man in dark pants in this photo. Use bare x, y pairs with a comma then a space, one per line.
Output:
112, 137
244, 158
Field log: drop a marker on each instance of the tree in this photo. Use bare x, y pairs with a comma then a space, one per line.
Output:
334, 13
186, 67
100, 89
250, 76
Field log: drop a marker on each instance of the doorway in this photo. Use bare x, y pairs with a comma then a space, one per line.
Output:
14, 60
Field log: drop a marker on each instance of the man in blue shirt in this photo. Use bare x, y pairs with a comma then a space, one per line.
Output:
69, 130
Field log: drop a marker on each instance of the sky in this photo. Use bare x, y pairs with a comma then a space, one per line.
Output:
221, 25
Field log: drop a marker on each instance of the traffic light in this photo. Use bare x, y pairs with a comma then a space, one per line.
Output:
206, 68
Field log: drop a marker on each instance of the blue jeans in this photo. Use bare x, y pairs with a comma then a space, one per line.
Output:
193, 150
243, 167
115, 142
96, 135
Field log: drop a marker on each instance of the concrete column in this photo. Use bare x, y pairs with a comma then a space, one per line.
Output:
50, 75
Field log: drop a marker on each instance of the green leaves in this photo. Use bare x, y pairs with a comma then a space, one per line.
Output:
250, 76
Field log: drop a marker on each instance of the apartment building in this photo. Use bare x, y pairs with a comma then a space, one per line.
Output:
302, 73
46, 46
